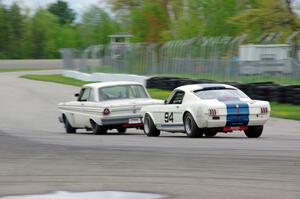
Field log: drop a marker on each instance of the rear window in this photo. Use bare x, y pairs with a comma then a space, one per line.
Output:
224, 94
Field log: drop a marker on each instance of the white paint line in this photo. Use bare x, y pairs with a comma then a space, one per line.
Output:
90, 195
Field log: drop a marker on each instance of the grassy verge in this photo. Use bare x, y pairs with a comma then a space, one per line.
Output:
56, 79
5, 70
287, 111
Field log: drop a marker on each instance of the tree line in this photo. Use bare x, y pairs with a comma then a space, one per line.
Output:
25, 34
41, 33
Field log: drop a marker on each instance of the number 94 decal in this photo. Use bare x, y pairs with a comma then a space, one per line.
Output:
169, 117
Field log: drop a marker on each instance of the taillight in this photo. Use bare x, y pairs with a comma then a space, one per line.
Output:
263, 110
212, 112
106, 111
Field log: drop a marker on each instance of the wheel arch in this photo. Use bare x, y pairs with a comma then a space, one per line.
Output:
64, 117
95, 119
193, 115
150, 115
92, 121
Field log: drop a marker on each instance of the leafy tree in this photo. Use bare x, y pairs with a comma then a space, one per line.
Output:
40, 40
124, 4
15, 30
4, 34
187, 22
62, 11
267, 16
68, 36
149, 21
215, 13
96, 26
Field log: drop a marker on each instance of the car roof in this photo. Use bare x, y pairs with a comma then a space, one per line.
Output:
194, 87
107, 84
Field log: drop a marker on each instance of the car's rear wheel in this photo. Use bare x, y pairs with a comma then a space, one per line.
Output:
121, 130
68, 126
98, 129
254, 131
149, 128
190, 126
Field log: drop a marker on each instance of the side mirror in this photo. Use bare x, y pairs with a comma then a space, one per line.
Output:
166, 101
76, 95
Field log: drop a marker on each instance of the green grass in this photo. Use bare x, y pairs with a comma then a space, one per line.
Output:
287, 111
158, 93
56, 79
4, 70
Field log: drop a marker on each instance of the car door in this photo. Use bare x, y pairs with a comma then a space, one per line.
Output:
171, 113
81, 114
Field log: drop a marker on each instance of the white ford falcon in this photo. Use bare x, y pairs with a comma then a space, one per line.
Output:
104, 106
206, 109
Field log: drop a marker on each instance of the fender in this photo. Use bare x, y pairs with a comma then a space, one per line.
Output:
69, 117
198, 116
151, 116
96, 119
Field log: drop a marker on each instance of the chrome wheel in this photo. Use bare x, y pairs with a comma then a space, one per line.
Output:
146, 125
188, 125
149, 127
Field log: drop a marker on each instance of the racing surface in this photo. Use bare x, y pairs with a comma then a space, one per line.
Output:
36, 156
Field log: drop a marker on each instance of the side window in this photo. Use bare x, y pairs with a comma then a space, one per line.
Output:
177, 98
84, 95
91, 96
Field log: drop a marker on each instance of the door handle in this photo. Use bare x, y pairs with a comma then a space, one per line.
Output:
177, 106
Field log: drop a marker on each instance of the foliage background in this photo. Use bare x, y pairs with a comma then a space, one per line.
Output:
36, 34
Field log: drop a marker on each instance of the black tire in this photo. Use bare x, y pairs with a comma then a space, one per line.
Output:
97, 129
210, 133
68, 126
191, 128
121, 130
254, 131
149, 128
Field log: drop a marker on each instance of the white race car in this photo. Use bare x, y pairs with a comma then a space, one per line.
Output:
206, 109
104, 106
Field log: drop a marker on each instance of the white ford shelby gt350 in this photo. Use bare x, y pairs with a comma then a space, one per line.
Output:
206, 109
104, 106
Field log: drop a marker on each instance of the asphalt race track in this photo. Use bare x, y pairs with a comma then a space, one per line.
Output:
36, 156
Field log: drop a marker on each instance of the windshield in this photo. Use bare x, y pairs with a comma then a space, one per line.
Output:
221, 94
122, 92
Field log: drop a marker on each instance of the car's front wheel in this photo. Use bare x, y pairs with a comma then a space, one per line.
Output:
98, 129
68, 126
254, 131
149, 127
191, 128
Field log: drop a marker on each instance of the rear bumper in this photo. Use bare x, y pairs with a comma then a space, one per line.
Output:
254, 120
122, 121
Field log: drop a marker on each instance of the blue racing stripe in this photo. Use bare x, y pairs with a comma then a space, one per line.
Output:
237, 113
